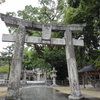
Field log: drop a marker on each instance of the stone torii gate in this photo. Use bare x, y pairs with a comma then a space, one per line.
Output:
20, 38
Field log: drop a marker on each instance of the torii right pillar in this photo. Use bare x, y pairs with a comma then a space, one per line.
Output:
72, 69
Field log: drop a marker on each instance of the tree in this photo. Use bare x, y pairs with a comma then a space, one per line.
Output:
7, 53
83, 11
31, 60
47, 55
6, 57
2, 1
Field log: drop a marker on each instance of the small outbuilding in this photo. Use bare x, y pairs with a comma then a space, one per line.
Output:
92, 73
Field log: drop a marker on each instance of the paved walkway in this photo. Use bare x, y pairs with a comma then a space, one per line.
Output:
47, 93
88, 91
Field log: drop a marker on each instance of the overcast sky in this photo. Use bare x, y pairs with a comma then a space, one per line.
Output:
12, 6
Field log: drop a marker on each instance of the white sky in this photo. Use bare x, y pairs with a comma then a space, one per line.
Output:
12, 6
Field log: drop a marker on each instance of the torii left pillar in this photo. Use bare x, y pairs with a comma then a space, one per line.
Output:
14, 79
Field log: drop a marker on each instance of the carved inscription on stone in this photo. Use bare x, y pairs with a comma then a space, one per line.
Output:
46, 32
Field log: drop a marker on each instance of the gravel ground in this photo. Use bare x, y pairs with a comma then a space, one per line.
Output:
3, 91
89, 90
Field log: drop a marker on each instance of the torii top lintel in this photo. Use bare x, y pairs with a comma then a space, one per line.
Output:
14, 22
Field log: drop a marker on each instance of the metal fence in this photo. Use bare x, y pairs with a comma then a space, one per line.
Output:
48, 82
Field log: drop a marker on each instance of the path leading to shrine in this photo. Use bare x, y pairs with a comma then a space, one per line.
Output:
89, 90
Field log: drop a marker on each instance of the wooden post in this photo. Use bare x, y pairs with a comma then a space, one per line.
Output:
72, 69
24, 79
83, 77
14, 79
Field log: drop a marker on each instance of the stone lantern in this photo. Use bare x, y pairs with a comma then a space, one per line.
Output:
38, 75
53, 75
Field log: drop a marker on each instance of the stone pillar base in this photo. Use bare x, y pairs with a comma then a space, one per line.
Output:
75, 98
24, 82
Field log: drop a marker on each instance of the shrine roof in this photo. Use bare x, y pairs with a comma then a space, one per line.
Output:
87, 69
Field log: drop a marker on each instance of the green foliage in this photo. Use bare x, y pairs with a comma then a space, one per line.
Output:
6, 55
2, 1
4, 69
69, 12
94, 58
44, 56
55, 55
32, 60
83, 11
97, 62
